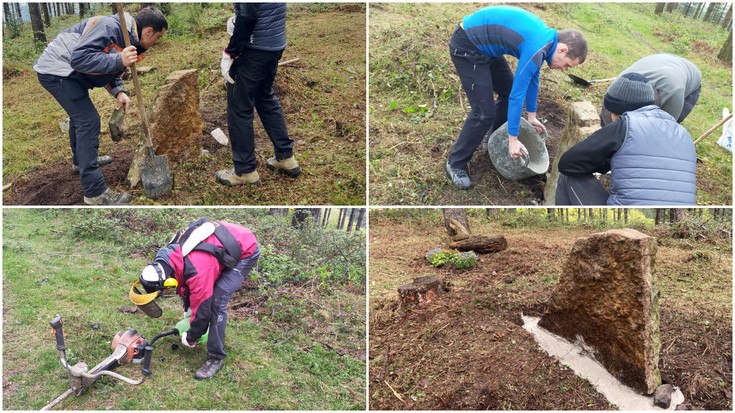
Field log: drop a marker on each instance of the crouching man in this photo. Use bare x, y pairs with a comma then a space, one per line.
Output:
209, 261
650, 156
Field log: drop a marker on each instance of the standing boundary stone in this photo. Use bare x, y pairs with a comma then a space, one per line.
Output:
607, 302
582, 121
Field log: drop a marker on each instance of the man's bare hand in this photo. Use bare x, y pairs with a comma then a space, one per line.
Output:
129, 56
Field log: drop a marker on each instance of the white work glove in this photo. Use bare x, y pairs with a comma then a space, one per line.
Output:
186, 343
187, 313
225, 66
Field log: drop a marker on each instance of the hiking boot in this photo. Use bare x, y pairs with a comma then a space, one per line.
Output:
289, 166
230, 178
459, 177
209, 369
109, 197
101, 160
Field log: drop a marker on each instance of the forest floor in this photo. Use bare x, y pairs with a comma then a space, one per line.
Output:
323, 96
417, 105
469, 351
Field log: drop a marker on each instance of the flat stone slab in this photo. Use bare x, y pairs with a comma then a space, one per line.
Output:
607, 302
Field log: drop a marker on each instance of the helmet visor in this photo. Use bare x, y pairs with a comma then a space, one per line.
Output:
145, 301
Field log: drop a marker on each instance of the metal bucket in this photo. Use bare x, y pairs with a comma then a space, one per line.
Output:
537, 161
145, 301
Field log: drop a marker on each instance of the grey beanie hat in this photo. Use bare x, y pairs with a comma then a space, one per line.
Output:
630, 91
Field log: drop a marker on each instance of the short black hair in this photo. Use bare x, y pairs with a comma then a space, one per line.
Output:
151, 17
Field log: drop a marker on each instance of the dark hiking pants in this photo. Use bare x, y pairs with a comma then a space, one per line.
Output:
254, 72
480, 76
224, 287
580, 190
84, 129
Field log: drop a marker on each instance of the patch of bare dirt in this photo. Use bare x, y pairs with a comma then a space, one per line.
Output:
57, 184
468, 350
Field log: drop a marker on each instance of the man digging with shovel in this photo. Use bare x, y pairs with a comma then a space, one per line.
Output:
207, 262
86, 56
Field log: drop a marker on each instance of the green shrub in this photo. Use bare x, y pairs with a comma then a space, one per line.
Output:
465, 260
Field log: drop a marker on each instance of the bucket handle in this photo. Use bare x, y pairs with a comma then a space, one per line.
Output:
526, 159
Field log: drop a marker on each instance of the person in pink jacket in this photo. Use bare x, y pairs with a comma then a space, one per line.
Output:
209, 260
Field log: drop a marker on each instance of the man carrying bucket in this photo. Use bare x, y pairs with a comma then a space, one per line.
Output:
651, 158
477, 47
206, 262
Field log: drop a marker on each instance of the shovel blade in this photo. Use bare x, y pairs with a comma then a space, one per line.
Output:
156, 177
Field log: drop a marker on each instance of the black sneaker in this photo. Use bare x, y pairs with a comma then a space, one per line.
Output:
101, 160
459, 177
209, 369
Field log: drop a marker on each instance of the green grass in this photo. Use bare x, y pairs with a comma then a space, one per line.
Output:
302, 353
323, 96
415, 113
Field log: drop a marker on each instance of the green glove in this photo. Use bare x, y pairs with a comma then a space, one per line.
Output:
183, 326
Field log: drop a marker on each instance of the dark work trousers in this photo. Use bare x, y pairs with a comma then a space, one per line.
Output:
226, 285
480, 76
254, 72
84, 129
580, 190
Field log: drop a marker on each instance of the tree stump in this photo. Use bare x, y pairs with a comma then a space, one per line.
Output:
456, 223
481, 244
421, 291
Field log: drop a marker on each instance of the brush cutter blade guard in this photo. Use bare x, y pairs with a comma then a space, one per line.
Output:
145, 301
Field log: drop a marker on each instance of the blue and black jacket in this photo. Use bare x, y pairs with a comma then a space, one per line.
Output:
506, 30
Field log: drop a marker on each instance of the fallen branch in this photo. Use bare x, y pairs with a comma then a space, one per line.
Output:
394, 392
288, 62
7, 186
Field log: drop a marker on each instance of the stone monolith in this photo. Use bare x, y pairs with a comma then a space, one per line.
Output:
607, 302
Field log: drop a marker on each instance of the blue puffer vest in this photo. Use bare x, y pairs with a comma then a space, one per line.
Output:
657, 163
269, 33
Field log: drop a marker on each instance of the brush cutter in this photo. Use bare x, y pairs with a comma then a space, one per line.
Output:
128, 346
154, 171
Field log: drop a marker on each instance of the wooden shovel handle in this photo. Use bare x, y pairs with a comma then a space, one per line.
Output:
141, 108
714, 128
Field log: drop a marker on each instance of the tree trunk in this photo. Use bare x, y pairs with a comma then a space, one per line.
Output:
18, 13
625, 215
551, 214
698, 11
352, 219
728, 18
37, 23
46, 14
725, 54
658, 216
360, 218
708, 13
456, 223
81, 10
671, 6
660, 8
480, 244
6, 14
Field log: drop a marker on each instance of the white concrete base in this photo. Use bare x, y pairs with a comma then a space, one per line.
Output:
588, 368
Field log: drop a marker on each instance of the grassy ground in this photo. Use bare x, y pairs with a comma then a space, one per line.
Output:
417, 107
323, 95
292, 346
468, 351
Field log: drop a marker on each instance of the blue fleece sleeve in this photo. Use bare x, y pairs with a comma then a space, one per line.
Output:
91, 57
532, 93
